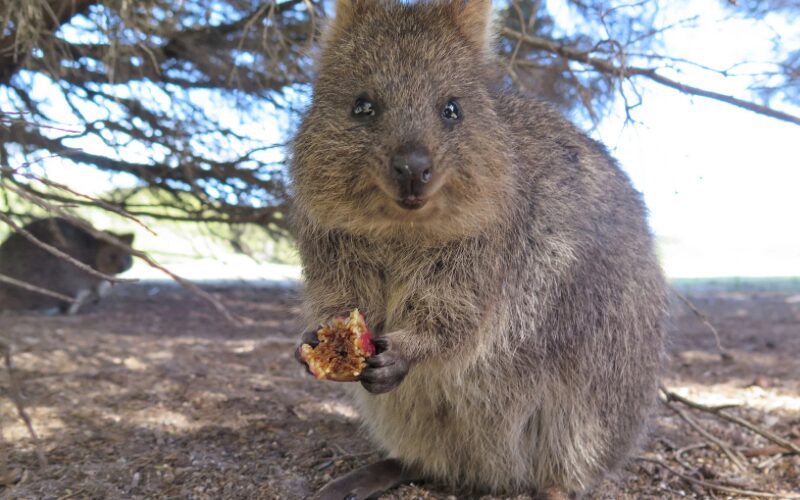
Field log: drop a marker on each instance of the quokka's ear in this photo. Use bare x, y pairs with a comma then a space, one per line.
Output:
474, 19
126, 238
345, 14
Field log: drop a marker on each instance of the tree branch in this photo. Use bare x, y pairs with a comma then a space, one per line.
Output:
612, 68
62, 11
32, 288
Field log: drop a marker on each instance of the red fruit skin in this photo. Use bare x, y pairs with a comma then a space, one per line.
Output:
365, 340
366, 343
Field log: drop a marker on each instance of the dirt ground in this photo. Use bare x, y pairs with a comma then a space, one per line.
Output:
151, 394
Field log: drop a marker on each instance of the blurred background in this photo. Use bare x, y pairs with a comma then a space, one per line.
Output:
177, 112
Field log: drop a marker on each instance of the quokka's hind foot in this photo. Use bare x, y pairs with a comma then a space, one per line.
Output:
554, 494
367, 482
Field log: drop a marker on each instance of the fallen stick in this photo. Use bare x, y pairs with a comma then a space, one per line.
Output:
719, 487
704, 318
720, 412
16, 396
728, 450
768, 450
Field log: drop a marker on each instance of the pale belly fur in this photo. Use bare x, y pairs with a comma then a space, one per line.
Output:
461, 430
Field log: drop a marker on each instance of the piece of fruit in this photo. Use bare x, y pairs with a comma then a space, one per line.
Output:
344, 345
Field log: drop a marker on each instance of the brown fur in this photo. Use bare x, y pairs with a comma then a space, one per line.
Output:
525, 295
23, 260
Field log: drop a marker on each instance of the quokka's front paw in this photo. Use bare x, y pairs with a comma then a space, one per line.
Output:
385, 370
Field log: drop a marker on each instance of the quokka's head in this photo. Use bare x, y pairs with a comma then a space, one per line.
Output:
111, 259
402, 138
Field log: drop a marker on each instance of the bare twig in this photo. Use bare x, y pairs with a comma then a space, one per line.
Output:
94, 201
515, 52
5, 120
787, 445
72, 495
718, 487
704, 318
16, 396
36, 289
727, 449
768, 450
233, 318
679, 454
767, 464
58, 253
6, 477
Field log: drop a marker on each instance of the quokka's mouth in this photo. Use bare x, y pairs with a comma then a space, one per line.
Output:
412, 202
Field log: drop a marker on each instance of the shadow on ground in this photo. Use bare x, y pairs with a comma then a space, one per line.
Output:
151, 394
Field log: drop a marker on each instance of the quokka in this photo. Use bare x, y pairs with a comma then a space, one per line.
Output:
500, 254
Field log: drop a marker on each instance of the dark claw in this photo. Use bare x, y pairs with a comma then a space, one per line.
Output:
309, 338
380, 360
382, 344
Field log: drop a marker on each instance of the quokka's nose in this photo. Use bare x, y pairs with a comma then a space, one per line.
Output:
412, 168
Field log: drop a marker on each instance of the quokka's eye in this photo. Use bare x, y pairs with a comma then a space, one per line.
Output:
363, 108
451, 112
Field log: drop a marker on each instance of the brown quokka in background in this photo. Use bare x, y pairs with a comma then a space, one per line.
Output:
24, 261
501, 255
